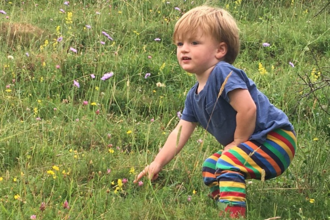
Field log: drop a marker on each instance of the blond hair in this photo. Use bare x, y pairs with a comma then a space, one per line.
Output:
215, 21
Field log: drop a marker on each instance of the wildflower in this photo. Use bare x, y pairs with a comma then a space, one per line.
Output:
312, 200
3, 12
42, 206
93, 103
56, 168
1, 178
17, 196
262, 69
315, 139
55, 109
108, 171
76, 84
33, 217
147, 75
159, 84
102, 42
57, 66
149, 57
66, 3
38, 119
92, 76
27, 54
73, 50
140, 183
97, 88
132, 170
88, 26
10, 57
194, 192
200, 141
189, 198
129, 132
61, 10
265, 44
66, 205
59, 39
14, 179
179, 114
157, 39
50, 172
111, 151
97, 111
107, 76
125, 180
109, 136
107, 35
177, 8
98, 13
291, 64
85, 102
120, 183
152, 120
8, 90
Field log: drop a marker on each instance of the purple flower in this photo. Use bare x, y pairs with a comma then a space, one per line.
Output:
157, 39
92, 76
42, 206
107, 35
76, 84
125, 180
88, 26
102, 42
147, 75
291, 64
62, 10
73, 50
107, 76
85, 102
27, 54
59, 39
33, 217
265, 44
178, 114
189, 198
66, 3
177, 8
3, 12
140, 183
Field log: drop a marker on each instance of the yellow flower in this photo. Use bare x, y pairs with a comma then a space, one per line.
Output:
56, 168
132, 170
120, 183
111, 151
39, 101
17, 196
8, 90
119, 12
1, 178
50, 172
97, 88
129, 132
262, 69
93, 103
15, 179
194, 192
315, 139
312, 200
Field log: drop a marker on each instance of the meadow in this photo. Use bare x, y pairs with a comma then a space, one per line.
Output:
90, 89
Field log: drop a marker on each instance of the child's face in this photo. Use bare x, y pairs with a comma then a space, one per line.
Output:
197, 54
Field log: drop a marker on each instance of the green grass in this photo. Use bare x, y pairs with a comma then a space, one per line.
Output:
55, 149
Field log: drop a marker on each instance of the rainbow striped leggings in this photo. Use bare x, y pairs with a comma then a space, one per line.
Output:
225, 174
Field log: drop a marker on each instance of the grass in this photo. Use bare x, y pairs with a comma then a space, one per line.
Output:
61, 143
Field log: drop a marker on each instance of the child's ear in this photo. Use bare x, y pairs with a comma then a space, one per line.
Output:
221, 51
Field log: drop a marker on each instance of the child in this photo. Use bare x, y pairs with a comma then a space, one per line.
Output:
259, 141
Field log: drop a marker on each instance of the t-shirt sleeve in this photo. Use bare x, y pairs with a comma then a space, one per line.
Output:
237, 80
187, 113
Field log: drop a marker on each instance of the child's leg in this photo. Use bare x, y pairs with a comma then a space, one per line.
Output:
209, 178
253, 160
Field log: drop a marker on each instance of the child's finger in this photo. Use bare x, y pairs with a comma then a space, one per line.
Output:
142, 174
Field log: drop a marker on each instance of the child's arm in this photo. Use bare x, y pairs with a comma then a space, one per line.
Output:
172, 146
242, 102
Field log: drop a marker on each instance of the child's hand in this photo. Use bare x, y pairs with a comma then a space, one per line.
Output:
151, 171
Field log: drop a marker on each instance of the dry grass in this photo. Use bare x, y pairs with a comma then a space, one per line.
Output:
22, 34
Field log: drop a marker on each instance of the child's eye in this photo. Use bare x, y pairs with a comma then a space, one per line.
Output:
195, 43
179, 44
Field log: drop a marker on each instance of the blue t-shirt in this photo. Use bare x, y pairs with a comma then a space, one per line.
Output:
199, 107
